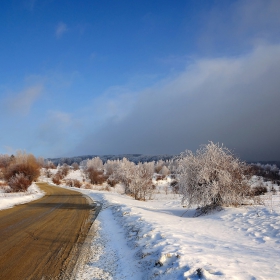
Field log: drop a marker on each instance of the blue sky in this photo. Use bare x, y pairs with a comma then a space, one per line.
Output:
103, 77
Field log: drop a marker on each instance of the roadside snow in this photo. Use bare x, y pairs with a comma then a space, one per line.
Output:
159, 240
9, 200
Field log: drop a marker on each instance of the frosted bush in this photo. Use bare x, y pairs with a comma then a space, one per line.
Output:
212, 177
19, 182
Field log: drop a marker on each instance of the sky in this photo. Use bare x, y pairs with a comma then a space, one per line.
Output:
149, 77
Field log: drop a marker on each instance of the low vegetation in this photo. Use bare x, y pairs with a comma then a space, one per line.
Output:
210, 178
19, 171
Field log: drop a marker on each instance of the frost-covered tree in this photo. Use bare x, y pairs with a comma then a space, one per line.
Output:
110, 166
212, 177
123, 173
141, 186
137, 179
95, 163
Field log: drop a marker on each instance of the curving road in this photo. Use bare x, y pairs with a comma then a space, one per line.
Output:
42, 239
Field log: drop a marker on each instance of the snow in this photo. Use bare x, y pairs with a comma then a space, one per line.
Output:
158, 239
110, 258
9, 200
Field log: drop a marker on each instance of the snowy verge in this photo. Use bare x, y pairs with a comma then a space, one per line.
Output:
159, 240
9, 200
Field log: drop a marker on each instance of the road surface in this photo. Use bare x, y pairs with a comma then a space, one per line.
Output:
42, 239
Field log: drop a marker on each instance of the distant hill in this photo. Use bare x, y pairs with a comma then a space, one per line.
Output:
136, 158
132, 157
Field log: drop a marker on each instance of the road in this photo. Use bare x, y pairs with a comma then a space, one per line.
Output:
42, 239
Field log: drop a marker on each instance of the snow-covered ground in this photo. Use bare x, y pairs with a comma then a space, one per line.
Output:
159, 239
8, 200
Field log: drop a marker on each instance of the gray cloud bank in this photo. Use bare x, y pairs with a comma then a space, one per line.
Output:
233, 101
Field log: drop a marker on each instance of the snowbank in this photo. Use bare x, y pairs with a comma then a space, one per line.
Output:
8, 200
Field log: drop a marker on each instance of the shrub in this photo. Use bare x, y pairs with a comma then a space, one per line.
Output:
212, 178
59, 175
49, 165
87, 186
95, 176
164, 171
64, 170
259, 190
75, 166
112, 182
48, 173
174, 186
159, 177
5, 160
273, 190
23, 164
158, 166
56, 179
73, 183
19, 182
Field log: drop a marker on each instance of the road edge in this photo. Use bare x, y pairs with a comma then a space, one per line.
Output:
84, 252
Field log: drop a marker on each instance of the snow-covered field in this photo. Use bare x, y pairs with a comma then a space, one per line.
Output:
159, 239
8, 200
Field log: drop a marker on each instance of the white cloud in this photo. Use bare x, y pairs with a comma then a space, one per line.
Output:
61, 29
239, 25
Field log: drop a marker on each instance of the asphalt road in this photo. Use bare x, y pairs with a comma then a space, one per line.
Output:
42, 239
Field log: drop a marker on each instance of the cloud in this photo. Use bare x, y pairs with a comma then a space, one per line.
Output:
23, 101
239, 25
234, 101
57, 132
61, 29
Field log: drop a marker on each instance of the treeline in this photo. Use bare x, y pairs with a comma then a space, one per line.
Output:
269, 172
136, 158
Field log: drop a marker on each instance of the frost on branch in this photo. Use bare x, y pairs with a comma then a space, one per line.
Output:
212, 177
